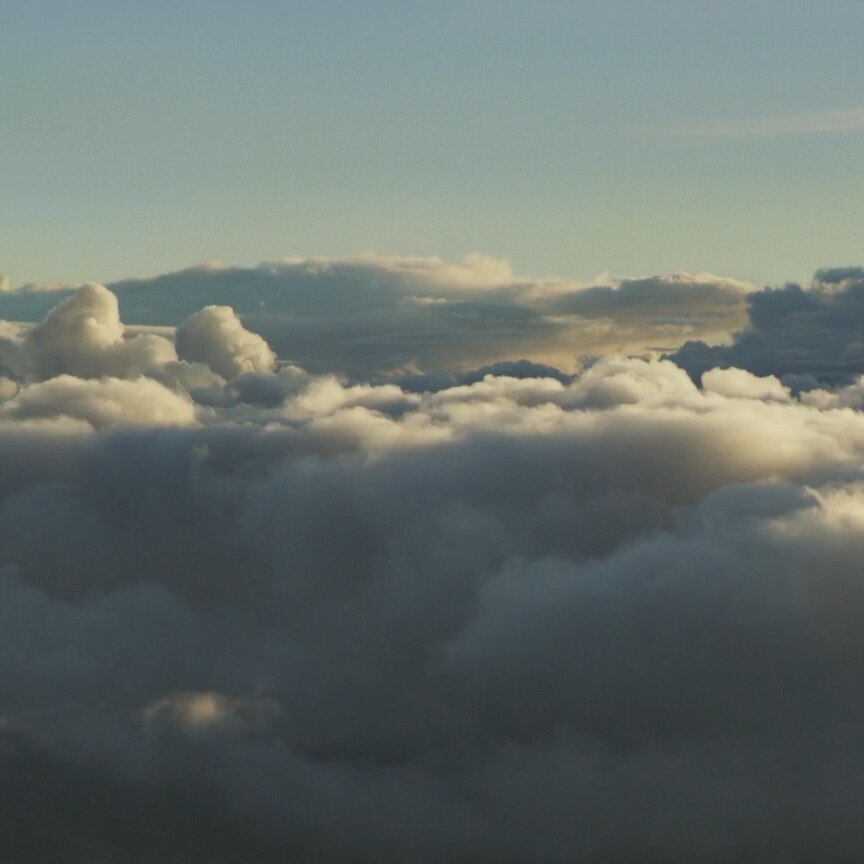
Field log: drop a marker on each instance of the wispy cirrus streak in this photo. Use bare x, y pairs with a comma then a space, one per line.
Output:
811, 123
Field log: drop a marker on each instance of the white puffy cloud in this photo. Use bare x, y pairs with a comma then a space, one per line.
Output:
745, 385
101, 402
216, 336
84, 336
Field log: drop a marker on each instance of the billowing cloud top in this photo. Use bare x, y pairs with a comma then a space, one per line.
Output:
251, 611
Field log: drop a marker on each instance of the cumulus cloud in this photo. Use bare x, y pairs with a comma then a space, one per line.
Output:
741, 383
84, 336
508, 613
215, 336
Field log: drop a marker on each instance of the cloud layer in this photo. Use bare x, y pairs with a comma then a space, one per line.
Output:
252, 612
376, 315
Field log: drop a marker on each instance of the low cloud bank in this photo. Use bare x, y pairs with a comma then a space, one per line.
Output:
249, 612
376, 315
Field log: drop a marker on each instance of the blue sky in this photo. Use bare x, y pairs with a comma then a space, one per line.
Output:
570, 137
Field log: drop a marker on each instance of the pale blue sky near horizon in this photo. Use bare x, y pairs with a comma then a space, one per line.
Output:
635, 137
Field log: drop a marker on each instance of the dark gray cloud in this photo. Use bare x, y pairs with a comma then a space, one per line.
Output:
248, 612
809, 336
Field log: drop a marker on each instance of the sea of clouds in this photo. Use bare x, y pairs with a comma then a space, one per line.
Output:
420, 562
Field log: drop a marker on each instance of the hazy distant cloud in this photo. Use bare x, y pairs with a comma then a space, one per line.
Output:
39, 288
474, 271
665, 306
813, 123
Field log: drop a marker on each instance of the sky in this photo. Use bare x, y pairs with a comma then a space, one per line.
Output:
572, 138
